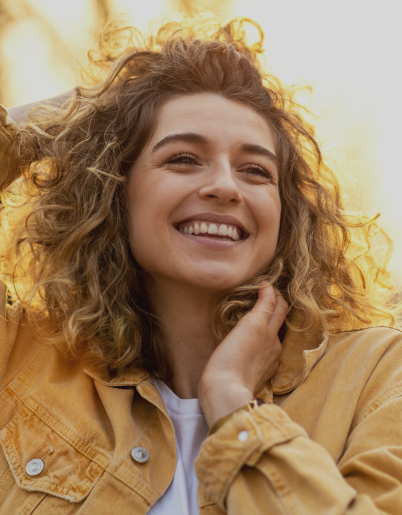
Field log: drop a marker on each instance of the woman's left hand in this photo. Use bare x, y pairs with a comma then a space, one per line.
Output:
245, 359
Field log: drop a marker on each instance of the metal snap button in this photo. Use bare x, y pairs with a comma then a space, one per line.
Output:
35, 467
140, 454
242, 436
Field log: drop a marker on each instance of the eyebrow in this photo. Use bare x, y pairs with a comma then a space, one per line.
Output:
187, 137
191, 137
257, 149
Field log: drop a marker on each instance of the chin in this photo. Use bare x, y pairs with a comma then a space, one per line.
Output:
218, 281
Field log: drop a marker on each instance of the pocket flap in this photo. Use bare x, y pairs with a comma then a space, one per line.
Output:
67, 473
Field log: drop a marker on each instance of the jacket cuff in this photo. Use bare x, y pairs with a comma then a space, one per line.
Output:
241, 441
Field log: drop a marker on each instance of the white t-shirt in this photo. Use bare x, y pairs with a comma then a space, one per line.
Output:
191, 430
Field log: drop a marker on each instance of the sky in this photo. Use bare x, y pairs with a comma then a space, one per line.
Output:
348, 51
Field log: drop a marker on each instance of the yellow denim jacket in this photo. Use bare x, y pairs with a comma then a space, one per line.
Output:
328, 441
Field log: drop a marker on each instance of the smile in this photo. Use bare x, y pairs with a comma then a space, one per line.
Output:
226, 232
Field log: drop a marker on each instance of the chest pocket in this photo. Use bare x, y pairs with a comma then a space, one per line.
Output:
67, 473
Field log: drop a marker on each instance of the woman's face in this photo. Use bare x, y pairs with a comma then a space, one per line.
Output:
204, 205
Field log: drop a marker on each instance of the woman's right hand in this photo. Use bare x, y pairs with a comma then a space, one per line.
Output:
245, 360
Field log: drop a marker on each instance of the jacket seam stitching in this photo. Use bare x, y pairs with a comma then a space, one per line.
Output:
359, 329
276, 482
58, 429
31, 364
80, 446
60, 489
120, 476
378, 403
12, 457
117, 473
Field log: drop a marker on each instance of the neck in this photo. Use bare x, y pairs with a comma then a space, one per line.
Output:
186, 319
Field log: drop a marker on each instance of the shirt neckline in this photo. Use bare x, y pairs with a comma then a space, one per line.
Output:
176, 405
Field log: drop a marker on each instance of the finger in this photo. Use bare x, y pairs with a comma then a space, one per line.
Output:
267, 300
278, 317
272, 306
280, 299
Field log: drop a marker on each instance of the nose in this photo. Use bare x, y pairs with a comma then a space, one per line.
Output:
221, 186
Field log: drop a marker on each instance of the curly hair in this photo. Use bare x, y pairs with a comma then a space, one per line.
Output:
65, 243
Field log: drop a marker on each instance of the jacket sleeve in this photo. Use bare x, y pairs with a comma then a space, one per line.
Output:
262, 462
9, 169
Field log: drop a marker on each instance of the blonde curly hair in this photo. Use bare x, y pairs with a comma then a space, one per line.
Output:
65, 251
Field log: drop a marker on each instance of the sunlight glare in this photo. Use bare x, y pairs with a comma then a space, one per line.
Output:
348, 52
29, 63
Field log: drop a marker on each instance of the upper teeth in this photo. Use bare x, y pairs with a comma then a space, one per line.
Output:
230, 231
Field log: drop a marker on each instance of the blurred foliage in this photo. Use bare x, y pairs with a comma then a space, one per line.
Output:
63, 46
14, 12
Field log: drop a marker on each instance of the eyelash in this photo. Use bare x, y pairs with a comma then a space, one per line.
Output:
259, 170
179, 159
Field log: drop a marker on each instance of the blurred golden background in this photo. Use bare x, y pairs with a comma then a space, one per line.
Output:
348, 50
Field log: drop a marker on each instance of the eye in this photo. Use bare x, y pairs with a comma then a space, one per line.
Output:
182, 159
258, 171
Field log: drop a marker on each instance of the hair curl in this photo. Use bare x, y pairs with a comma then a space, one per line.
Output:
65, 251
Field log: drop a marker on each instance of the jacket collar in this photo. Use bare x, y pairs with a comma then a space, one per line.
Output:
126, 376
300, 352
130, 377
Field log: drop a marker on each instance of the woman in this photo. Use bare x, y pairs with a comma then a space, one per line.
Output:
169, 218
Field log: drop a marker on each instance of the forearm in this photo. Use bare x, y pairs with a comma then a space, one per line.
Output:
19, 113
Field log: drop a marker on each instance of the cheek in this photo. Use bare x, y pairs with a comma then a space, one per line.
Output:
268, 215
144, 246
148, 211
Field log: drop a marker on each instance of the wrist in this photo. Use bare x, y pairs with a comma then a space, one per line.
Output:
219, 401
250, 406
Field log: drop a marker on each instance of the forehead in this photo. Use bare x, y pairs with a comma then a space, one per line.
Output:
218, 118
